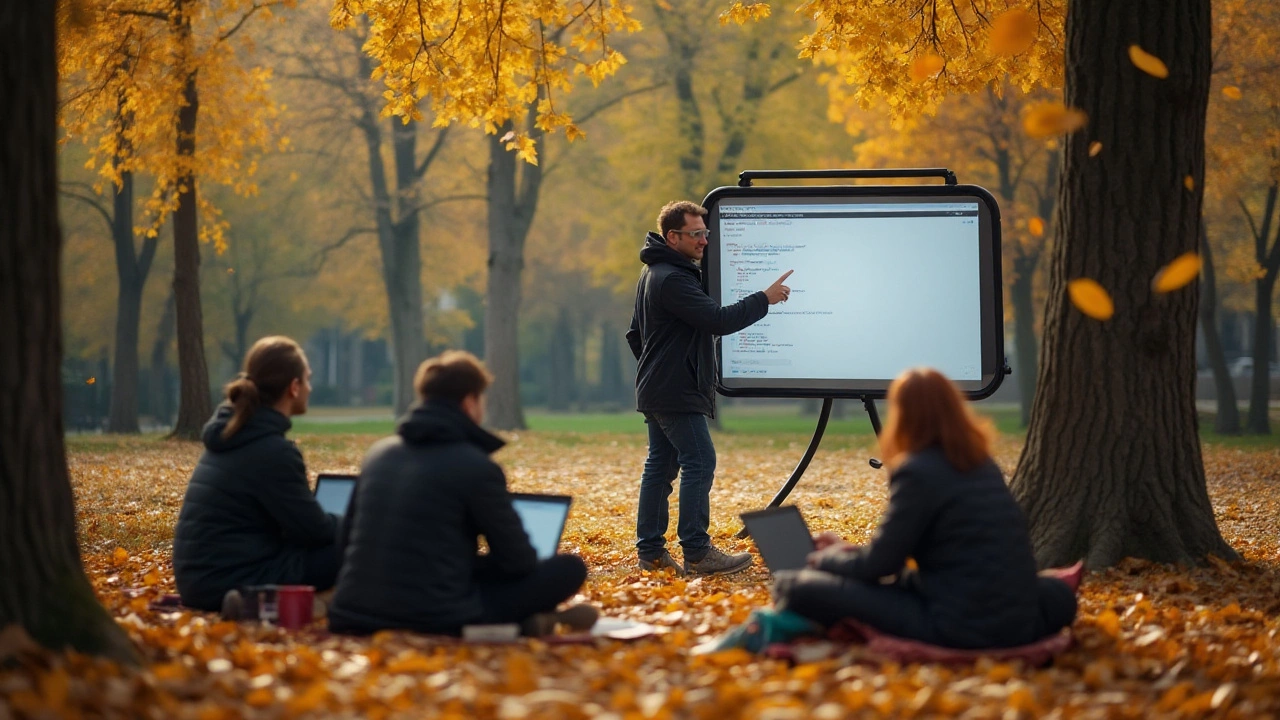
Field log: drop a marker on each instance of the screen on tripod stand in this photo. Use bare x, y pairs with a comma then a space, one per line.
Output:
885, 278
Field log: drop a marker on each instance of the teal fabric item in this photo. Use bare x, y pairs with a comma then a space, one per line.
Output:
766, 627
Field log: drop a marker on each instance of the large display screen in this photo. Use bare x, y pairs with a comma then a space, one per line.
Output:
885, 278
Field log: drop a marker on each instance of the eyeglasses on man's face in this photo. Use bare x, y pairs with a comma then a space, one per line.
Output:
700, 234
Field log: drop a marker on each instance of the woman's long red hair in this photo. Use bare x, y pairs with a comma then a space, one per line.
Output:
926, 409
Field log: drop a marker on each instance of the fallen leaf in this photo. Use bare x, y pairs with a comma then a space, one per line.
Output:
1177, 274
1091, 299
1148, 63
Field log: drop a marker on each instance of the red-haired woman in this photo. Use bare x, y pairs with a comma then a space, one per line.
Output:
949, 508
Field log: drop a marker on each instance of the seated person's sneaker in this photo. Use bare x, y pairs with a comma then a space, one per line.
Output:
666, 562
578, 618
716, 562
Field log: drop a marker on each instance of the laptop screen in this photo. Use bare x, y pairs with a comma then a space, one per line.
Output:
333, 492
543, 518
782, 536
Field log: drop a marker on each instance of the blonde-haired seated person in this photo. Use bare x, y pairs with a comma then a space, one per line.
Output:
249, 516
425, 497
976, 585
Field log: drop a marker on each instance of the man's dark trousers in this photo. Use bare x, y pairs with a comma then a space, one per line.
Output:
678, 443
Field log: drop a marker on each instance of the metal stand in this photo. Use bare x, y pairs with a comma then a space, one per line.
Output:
825, 415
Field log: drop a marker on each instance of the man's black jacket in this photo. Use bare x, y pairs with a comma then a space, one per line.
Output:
424, 497
969, 538
672, 332
249, 516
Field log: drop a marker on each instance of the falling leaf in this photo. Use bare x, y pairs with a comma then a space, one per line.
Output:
1044, 120
1148, 63
1095, 147
1091, 299
1177, 274
91, 381
1012, 32
1231, 92
1189, 182
926, 66
1036, 226
508, 137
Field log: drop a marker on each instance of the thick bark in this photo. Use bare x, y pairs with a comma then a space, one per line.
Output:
1112, 465
194, 401
44, 589
511, 209
1227, 421
1264, 288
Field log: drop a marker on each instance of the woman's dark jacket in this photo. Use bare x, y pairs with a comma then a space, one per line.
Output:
249, 516
968, 536
672, 332
425, 496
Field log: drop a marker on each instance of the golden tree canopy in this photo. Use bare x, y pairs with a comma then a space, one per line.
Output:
483, 62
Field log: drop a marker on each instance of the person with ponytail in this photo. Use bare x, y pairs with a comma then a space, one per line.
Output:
249, 516
975, 584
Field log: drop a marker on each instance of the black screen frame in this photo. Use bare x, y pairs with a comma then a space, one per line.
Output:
994, 363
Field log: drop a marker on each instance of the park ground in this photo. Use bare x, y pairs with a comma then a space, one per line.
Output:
1152, 641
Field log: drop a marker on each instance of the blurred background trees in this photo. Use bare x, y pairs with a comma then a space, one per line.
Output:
380, 238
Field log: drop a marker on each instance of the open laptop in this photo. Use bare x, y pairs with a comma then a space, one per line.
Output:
782, 536
543, 518
334, 491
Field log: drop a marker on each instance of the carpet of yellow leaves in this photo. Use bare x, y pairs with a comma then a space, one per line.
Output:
1153, 641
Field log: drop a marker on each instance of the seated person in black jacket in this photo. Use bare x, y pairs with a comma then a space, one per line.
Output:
949, 508
425, 497
249, 517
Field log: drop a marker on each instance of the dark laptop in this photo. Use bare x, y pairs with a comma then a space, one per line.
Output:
543, 518
781, 535
334, 491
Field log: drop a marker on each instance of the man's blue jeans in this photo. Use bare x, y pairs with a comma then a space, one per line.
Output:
678, 442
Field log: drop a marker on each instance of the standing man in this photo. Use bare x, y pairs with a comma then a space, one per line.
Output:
671, 336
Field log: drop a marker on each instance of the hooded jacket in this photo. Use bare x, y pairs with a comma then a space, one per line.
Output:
673, 328
425, 496
249, 516
977, 572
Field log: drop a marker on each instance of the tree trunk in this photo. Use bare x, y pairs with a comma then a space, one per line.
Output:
132, 269
1259, 421
402, 266
161, 404
1227, 420
45, 590
1112, 465
612, 385
511, 211
561, 382
194, 402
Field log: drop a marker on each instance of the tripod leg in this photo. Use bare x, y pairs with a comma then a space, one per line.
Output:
782, 494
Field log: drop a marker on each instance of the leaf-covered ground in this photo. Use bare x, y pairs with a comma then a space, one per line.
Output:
1153, 641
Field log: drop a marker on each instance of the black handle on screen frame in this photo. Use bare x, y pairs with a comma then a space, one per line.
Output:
746, 176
